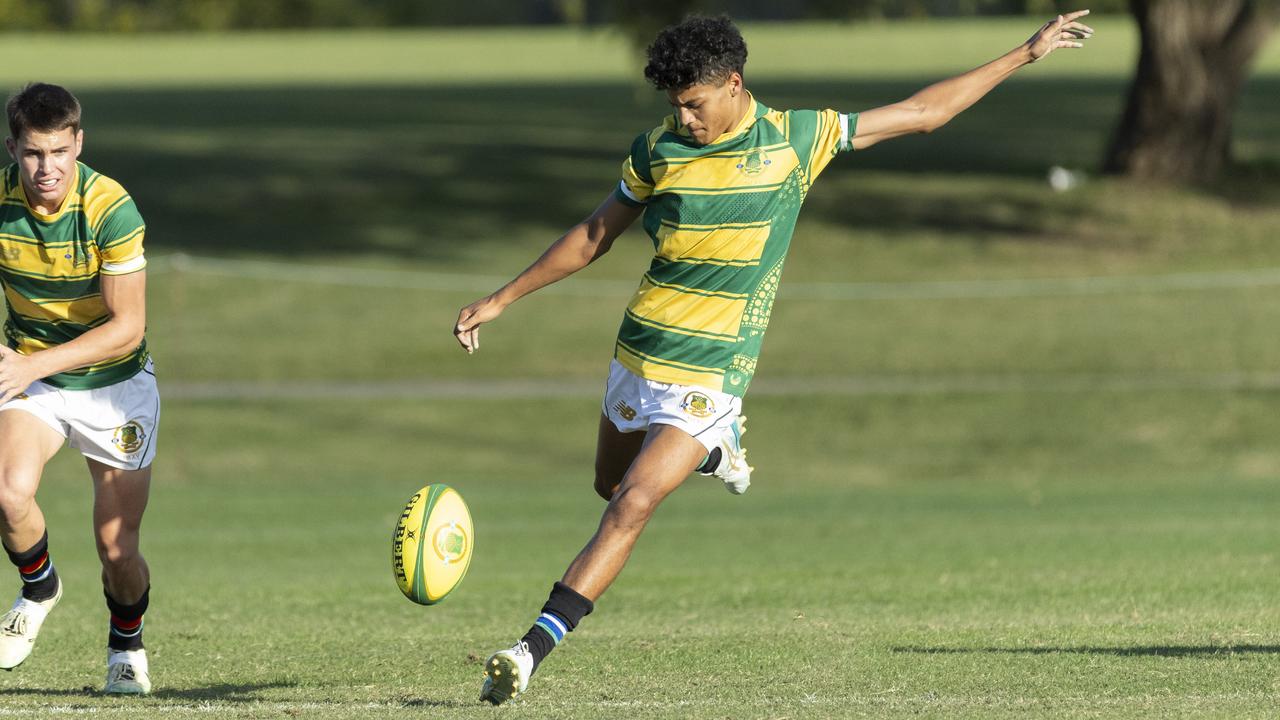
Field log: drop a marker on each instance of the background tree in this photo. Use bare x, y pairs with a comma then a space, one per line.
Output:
1195, 58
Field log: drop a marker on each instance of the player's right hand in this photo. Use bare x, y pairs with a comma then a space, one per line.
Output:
467, 330
17, 372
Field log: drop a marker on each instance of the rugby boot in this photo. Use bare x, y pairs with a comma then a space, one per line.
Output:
733, 468
20, 626
506, 674
127, 673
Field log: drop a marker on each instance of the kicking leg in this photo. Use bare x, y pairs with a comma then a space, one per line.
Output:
667, 456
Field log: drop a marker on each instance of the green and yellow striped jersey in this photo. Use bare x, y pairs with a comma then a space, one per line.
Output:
721, 218
50, 266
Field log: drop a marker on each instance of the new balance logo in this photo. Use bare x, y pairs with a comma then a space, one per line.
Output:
626, 411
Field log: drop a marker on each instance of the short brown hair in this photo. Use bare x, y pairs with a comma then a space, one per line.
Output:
44, 108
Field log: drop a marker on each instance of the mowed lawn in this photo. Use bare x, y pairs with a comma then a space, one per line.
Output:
1108, 554
988, 484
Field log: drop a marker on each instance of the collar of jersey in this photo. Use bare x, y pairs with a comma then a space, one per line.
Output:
748, 119
753, 113
72, 186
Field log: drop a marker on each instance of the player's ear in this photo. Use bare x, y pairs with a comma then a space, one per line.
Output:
735, 84
12, 146
79, 141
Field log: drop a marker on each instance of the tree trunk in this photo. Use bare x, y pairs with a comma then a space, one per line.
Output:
1194, 60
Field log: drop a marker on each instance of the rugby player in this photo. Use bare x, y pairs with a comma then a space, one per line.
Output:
719, 185
74, 369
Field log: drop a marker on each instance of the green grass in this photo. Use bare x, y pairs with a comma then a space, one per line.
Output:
1076, 556
466, 57
1058, 505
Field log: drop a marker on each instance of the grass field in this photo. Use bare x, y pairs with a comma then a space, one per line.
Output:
1015, 449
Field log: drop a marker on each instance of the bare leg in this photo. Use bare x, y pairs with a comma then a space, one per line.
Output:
666, 458
635, 472
26, 444
119, 499
615, 451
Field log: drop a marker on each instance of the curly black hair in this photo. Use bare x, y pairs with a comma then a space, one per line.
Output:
700, 50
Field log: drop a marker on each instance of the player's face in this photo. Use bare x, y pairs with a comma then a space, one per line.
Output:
708, 111
46, 164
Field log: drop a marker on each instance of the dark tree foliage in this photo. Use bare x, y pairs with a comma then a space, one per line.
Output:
640, 19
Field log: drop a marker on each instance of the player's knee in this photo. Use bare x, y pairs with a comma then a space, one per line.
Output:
16, 501
118, 552
633, 506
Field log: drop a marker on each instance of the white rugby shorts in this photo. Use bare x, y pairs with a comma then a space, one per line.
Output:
115, 425
632, 404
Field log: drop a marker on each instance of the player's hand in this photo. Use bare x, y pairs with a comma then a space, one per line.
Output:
467, 330
1062, 32
17, 372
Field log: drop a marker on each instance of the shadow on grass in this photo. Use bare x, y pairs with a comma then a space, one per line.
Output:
1134, 651
1252, 182
421, 702
84, 692
222, 692
227, 693
432, 173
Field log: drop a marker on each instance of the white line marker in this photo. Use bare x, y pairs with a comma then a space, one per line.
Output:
355, 276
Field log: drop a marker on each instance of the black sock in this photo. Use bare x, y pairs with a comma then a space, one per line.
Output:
565, 608
712, 462
125, 628
39, 579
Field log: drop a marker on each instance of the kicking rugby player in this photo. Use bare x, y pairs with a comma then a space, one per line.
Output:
719, 185
75, 369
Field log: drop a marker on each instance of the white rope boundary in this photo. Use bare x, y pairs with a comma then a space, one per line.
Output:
355, 276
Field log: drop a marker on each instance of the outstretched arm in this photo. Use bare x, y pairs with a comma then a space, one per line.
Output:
934, 106
577, 249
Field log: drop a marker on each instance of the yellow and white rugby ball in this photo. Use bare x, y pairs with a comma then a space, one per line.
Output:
432, 544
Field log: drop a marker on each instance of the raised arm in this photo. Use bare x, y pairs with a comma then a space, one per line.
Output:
934, 106
576, 249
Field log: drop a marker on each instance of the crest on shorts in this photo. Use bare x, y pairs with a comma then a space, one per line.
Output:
698, 405
128, 437
627, 412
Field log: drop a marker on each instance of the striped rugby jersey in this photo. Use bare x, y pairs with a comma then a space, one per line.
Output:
50, 267
721, 218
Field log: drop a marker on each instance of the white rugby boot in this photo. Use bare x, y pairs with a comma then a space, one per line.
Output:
506, 674
127, 673
20, 626
733, 468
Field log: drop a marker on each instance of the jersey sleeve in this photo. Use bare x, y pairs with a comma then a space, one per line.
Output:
636, 185
819, 135
119, 239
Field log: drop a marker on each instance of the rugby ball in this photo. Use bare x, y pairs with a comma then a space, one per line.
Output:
432, 544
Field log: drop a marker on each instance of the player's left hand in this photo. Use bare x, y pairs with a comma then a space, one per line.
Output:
17, 372
467, 329
1062, 32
